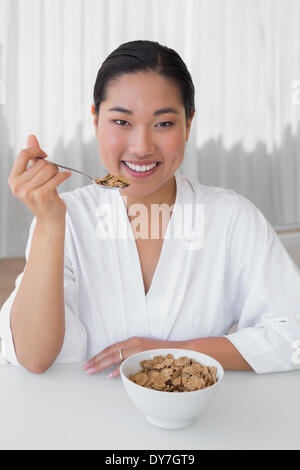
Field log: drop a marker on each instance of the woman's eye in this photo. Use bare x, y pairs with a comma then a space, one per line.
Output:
120, 120
166, 122
122, 123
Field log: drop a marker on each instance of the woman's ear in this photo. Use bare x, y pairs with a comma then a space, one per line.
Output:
189, 123
95, 120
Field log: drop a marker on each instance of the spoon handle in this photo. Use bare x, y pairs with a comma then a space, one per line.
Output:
94, 180
72, 169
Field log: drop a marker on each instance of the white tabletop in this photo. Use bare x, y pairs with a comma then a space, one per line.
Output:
65, 408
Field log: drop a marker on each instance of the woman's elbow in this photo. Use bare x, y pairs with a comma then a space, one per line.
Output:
36, 367
39, 369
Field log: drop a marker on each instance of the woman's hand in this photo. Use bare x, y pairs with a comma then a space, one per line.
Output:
36, 186
111, 356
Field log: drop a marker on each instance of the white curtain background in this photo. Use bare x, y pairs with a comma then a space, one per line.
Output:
243, 55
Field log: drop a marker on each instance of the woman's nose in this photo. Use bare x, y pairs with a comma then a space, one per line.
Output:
142, 143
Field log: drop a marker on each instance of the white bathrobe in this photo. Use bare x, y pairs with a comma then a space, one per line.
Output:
221, 263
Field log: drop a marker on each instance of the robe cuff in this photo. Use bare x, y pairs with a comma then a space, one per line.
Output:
256, 350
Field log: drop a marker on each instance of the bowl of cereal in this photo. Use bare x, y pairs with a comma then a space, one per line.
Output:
171, 387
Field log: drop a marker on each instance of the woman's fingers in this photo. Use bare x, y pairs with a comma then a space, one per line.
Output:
22, 160
57, 179
36, 186
110, 355
114, 373
107, 351
43, 174
97, 365
35, 177
37, 165
32, 141
27, 155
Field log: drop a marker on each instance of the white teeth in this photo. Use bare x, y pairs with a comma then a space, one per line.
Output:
141, 168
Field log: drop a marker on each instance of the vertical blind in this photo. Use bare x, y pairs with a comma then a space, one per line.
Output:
243, 57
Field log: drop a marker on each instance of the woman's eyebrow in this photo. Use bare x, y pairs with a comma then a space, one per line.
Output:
156, 113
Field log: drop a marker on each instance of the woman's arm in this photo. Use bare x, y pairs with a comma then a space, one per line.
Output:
220, 349
37, 315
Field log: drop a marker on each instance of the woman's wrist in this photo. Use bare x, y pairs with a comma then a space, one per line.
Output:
178, 344
222, 350
50, 225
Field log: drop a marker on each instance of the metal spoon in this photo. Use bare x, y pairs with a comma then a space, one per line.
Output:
94, 180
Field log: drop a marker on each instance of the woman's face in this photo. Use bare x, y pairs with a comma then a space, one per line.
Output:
142, 122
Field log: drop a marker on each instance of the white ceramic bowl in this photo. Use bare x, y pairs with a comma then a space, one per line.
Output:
166, 409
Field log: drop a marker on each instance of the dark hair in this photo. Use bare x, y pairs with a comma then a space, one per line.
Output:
143, 55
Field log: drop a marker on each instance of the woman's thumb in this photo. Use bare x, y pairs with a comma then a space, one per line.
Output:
32, 141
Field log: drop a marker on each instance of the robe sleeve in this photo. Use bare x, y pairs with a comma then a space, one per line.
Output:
262, 291
75, 339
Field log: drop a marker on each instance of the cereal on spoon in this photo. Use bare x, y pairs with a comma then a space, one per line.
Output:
113, 181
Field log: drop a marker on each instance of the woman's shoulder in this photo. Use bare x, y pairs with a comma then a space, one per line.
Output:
210, 194
219, 200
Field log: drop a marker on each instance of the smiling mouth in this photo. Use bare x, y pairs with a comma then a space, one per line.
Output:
141, 167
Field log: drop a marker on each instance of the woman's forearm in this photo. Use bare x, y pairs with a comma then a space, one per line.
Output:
220, 349
37, 315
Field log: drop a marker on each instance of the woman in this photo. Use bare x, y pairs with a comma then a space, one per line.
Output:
89, 293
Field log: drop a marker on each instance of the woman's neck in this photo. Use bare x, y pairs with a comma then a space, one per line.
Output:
166, 194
